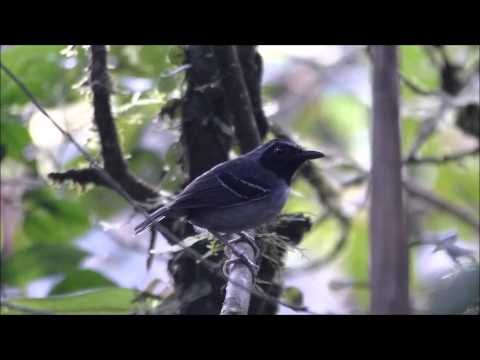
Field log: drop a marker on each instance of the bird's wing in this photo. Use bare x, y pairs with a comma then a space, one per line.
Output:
223, 186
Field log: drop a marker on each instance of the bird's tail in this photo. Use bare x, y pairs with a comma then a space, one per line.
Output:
154, 218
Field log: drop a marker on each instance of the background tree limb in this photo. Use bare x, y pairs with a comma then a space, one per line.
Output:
237, 97
388, 245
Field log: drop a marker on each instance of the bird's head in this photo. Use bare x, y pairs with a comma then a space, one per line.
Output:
283, 157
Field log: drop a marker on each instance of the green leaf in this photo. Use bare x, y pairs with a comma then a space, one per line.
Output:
14, 137
410, 126
54, 220
293, 296
147, 61
176, 55
81, 280
336, 119
147, 165
140, 61
417, 67
107, 301
459, 183
323, 237
40, 68
175, 175
128, 122
303, 199
38, 261
102, 203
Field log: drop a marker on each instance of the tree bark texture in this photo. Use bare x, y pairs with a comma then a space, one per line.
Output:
388, 244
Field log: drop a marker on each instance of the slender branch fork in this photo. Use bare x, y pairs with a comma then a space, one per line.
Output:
241, 288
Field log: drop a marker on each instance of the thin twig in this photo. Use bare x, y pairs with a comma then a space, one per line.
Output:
429, 126
151, 246
414, 190
461, 213
414, 87
442, 159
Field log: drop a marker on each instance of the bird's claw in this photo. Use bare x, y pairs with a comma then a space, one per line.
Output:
251, 265
245, 236
254, 268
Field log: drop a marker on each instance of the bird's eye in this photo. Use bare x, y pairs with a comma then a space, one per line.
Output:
278, 150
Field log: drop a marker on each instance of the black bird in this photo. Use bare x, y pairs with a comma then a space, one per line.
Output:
238, 194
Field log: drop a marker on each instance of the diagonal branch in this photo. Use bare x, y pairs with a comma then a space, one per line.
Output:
429, 126
461, 213
441, 159
414, 87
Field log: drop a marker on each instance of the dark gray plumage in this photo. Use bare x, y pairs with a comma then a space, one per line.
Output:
238, 194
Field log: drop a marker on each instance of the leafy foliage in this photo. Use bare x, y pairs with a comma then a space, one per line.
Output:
107, 301
14, 138
40, 260
50, 220
81, 280
43, 71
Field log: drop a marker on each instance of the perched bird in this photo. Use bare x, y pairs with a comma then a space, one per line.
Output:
238, 194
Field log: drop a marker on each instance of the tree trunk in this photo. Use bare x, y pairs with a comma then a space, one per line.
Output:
388, 245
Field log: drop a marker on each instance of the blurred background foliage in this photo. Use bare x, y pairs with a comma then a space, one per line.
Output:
67, 249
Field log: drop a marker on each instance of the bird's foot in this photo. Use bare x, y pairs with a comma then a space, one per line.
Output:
229, 242
254, 268
245, 236
251, 265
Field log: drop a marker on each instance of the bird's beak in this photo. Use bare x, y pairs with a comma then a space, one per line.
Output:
310, 154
